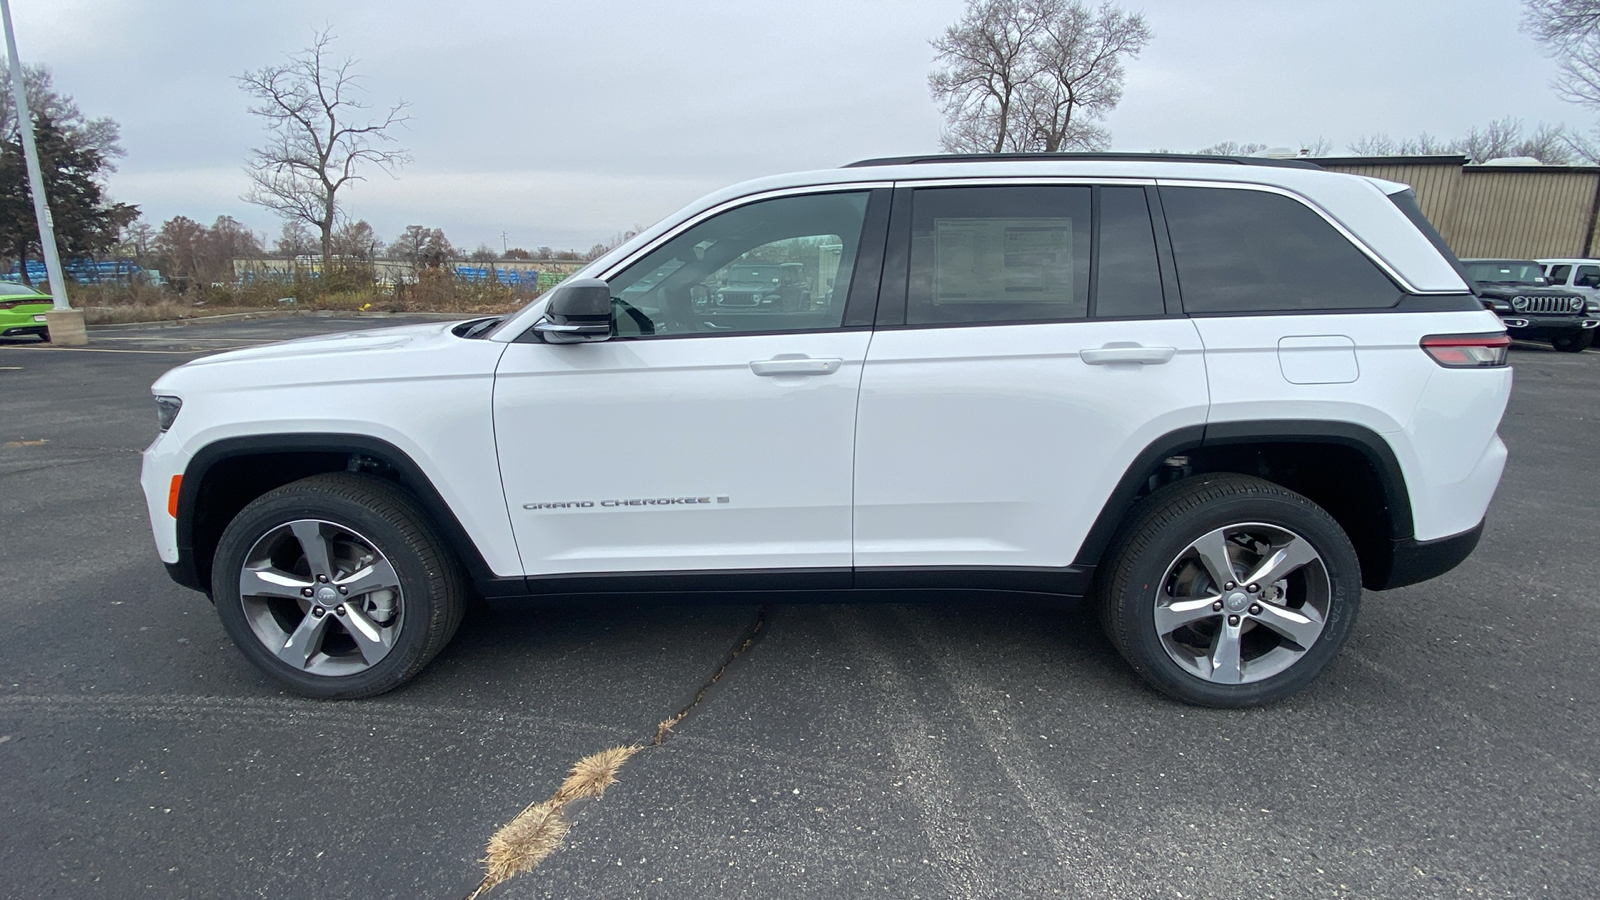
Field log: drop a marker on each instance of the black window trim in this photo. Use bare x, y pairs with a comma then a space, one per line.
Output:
861, 302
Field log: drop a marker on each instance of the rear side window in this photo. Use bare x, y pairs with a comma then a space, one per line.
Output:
1254, 251
998, 254
1128, 280
1588, 276
1558, 274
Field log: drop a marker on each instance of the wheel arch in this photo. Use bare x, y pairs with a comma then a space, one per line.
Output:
1348, 469
225, 475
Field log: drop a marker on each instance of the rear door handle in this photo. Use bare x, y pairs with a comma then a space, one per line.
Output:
801, 366
1128, 353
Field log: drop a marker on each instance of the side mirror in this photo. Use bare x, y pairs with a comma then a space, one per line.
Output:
578, 312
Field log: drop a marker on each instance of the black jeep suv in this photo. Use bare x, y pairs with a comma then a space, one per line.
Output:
1516, 290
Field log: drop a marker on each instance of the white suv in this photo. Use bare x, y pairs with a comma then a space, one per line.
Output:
1217, 397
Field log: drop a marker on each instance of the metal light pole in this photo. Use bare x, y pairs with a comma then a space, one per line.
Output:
68, 328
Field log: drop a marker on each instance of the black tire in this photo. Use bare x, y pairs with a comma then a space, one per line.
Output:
428, 601
44, 336
1143, 568
1575, 342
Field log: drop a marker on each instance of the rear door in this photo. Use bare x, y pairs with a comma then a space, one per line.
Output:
1023, 357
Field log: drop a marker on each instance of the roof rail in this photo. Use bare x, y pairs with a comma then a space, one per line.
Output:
937, 158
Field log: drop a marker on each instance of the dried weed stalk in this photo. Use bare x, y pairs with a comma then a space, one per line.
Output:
538, 830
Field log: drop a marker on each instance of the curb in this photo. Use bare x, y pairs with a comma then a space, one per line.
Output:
278, 314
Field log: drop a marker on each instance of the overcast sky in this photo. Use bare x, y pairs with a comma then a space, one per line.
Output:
561, 124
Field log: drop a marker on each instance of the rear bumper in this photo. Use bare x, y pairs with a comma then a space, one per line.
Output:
1416, 561
17, 331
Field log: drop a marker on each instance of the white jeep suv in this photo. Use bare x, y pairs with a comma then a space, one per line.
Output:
1217, 397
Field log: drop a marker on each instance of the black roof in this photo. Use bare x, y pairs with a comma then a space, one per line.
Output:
937, 158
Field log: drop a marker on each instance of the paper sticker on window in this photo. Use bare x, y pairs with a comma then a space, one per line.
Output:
1003, 260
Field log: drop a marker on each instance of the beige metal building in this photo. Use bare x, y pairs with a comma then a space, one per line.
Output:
1520, 211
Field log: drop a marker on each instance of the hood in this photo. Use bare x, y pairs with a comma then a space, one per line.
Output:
378, 354
345, 342
1507, 291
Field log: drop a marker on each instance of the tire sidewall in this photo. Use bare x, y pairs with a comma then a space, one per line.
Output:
1148, 566
416, 592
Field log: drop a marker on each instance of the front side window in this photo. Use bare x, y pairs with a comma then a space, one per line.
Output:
1558, 274
998, 254
1255, 251
1588, 276
774, 265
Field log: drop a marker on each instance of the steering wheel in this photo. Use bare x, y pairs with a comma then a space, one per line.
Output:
646, 325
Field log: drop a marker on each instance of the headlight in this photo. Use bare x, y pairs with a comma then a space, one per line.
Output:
1576, 304
1520, 302
167, 410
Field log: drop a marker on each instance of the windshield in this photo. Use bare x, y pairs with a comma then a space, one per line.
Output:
7, 289
1505, 271
754, 274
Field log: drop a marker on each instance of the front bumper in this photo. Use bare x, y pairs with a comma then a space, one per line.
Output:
1533, 328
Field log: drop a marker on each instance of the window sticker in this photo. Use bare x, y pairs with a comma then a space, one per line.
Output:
1026, 260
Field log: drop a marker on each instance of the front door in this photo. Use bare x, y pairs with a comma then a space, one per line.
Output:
716, 428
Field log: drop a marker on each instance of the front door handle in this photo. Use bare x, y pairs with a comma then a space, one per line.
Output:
1128, 353
793, 366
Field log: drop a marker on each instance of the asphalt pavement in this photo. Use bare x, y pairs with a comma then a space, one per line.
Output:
947, 749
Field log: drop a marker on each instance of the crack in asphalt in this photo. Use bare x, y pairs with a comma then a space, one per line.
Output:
540, 828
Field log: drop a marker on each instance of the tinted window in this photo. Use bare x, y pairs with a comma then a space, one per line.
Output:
774, 265
998, 254
1248, 251
1505, 271
1588, 276
1128, 281
1558, 274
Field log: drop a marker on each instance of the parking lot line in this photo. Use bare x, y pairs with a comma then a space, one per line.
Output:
110, 350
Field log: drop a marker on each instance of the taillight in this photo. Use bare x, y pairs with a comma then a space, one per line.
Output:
1468, 351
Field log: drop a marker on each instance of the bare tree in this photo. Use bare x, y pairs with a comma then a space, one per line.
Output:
1231, 148
986, 57
422, 247
294, 240
1549, 144
1032, 75
1561, 23
320, 136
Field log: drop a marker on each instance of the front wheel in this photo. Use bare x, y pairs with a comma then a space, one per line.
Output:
336, 586
1575, 342
1230, 591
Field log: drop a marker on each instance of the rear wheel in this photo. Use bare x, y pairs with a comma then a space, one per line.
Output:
1573, 342
336, 586
1230, 591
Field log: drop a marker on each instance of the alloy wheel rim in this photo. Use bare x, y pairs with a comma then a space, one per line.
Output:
321, 597
1242, 603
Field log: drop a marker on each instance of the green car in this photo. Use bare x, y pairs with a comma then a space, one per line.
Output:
22, 311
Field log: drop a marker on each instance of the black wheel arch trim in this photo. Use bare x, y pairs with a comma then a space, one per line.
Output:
409, 475
1175, 443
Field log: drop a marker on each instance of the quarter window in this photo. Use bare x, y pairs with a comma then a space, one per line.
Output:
1255, 251
998, 254
774, 265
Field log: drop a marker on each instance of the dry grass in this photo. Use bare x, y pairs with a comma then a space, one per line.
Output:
538, 830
